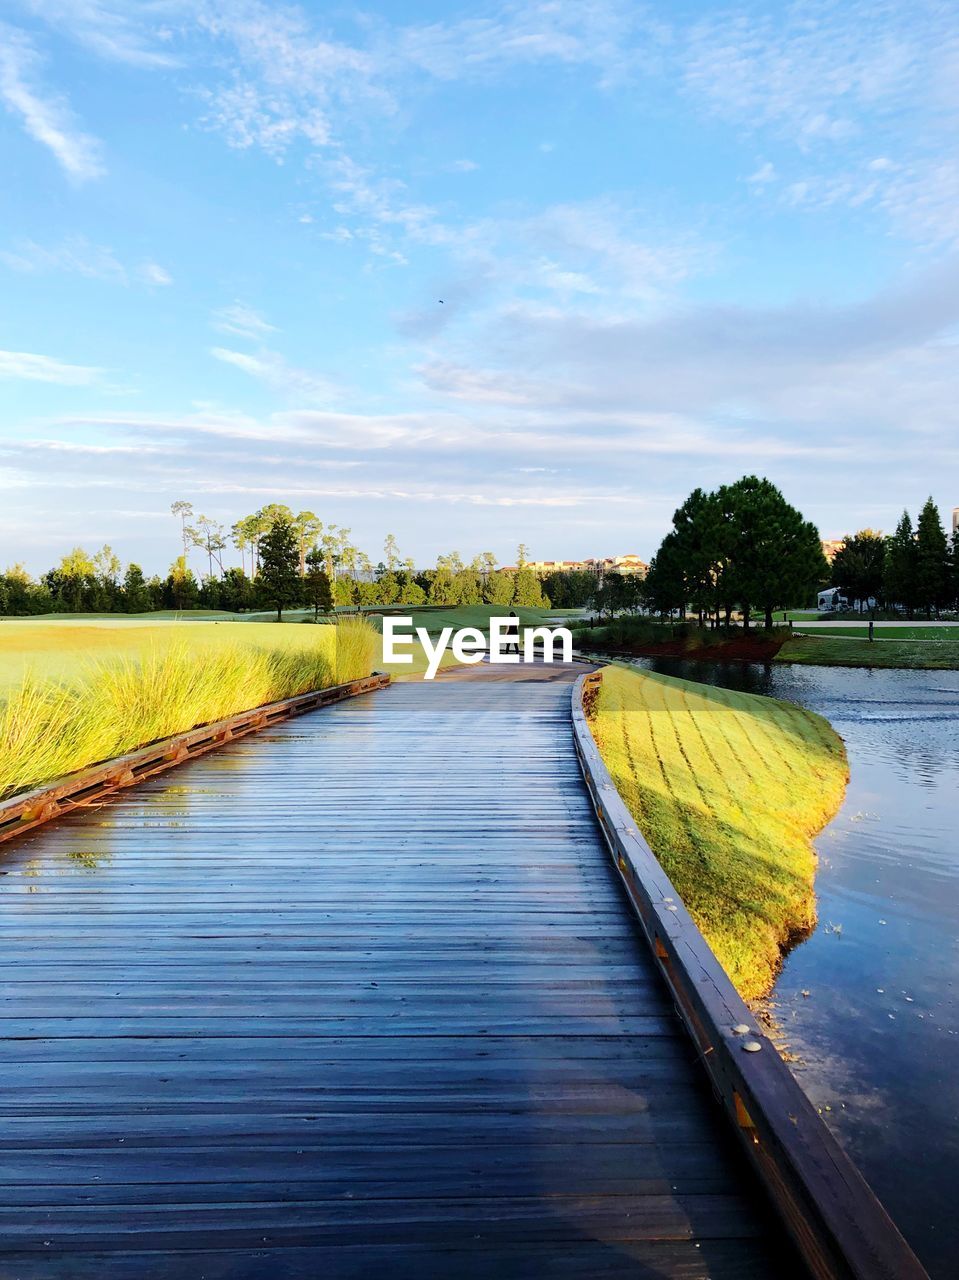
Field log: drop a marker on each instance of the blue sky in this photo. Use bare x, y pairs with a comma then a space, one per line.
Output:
674, 243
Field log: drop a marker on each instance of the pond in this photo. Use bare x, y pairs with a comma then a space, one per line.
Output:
869, 1003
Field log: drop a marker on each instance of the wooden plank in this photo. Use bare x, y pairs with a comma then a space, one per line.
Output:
358, 995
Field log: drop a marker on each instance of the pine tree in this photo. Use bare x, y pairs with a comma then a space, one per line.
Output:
932, 560
899, 569
279, 576
136, 594
317, 583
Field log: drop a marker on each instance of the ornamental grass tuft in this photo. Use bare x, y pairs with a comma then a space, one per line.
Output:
49, 728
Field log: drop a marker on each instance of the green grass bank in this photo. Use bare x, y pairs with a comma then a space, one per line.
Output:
729, 790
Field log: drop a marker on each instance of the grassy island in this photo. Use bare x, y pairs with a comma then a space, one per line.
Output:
728, 789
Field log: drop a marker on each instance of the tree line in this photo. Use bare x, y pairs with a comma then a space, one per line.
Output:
287, 560
741, 547
915, 569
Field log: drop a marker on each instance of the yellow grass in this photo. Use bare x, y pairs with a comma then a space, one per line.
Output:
50, 727
728, 789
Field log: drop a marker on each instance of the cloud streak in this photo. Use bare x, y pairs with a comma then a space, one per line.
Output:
45, 115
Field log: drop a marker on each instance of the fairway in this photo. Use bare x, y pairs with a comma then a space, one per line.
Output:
728, 789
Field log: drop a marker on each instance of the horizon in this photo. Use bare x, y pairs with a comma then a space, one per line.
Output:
498, 273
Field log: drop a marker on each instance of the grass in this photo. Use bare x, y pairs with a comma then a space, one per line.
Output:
886, 632
729, 789
54, 724
935, 650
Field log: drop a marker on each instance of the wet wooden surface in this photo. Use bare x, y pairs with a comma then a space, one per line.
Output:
357, 996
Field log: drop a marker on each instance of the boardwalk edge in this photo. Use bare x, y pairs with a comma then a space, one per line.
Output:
840, 1228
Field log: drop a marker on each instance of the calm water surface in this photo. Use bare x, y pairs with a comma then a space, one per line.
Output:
877, 1034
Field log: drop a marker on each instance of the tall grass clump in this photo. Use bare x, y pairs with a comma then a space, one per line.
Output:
728, 789
50, 728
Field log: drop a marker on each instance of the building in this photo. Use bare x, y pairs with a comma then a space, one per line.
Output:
629, 565
955, 521
830, 546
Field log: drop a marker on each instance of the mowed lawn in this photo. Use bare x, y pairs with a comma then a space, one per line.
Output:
911, 647
729, 790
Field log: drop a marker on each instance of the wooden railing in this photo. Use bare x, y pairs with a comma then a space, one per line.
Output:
23, 812
839, 1227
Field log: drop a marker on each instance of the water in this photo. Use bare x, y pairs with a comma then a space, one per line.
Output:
877, 1035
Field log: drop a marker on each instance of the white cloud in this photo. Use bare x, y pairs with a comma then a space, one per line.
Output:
270, 368
462, 166
135, 32
28, 367
765, 174
242, 321
75, 254
46, 116
153, 273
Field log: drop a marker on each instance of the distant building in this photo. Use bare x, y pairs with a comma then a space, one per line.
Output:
830, 546
628, 565
955, 521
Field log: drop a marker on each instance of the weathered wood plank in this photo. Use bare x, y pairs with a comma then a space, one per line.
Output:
356, 996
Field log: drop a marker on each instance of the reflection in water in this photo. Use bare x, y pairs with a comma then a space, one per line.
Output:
868, 1003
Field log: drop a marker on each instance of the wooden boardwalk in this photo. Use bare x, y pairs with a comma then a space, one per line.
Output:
357, 997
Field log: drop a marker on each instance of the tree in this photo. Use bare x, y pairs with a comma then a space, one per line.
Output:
184, 510
528, 590
317, 582
932, 560
136, 594
105, 593
899, 566
279, 577
664, 587
308, 529
208, 535
73, 581
774, 556
181, 590
442, 588
236, 591
391, 552
500, 588
522, 554
859, 566
410, 590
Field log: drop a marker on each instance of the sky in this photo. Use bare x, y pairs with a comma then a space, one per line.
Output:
473, 274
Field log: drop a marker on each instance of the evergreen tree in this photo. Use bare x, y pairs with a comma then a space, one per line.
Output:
136, 595
859, 566
899, 567
279, 574
442, 588
528, 590
410, 590
317, 582
932, 560
236, 591
500, 588
181, 590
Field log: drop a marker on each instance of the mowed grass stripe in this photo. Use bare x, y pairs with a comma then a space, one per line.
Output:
729, 789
